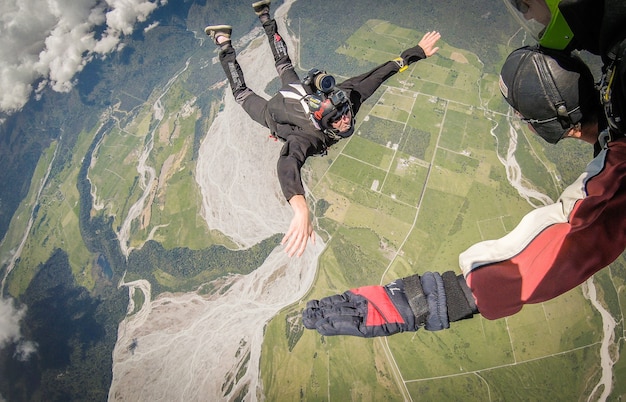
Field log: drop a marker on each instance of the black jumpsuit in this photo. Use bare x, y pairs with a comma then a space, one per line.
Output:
286, 117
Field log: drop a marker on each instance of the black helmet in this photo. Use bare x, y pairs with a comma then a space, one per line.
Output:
326, 109
551, 90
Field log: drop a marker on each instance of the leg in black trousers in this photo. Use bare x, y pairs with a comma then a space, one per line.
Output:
252, 103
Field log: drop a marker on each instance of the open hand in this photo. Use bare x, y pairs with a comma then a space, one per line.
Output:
428, 43
300, 228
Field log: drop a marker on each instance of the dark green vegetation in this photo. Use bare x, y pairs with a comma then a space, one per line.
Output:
187, 269
479, 27
74, 331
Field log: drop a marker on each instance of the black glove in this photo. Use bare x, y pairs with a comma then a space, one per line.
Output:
403, 305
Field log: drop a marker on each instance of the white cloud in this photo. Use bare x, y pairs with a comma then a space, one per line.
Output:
54, 39
24, 350
10, 333
9, 322
151, 26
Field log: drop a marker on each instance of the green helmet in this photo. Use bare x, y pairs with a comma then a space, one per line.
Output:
543, 20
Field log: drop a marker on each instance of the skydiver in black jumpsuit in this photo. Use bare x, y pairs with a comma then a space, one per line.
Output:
309, 115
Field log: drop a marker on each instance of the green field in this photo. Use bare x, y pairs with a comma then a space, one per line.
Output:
55, 225
173, 218
417, 184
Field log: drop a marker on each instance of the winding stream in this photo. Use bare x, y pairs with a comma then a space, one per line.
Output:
146, 173
219, 335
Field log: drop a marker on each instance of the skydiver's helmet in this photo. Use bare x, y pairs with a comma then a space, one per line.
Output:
327, 109
552, 91
543, 20
327, 104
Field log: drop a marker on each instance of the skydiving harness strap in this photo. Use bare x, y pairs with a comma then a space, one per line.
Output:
616, 126
562, 114
298, 94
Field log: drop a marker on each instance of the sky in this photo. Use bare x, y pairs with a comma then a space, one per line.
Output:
45, 43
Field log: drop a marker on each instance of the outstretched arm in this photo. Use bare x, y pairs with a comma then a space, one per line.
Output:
430, 301
292, 157
300, 229
362, 86
556, 247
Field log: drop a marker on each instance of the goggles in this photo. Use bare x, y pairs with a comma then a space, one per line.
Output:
542, 19
554, 128
340, 101
340, 112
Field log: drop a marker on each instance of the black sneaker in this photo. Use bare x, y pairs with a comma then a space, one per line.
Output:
262, 7
215, 31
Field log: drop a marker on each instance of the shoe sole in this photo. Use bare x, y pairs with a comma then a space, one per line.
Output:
258, 6
218, 28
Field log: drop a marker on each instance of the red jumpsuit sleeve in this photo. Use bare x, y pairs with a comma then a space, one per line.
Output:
557, 247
